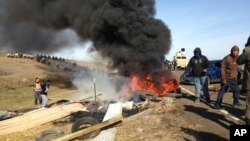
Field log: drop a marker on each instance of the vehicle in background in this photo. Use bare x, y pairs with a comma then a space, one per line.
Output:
213, 73
181, 59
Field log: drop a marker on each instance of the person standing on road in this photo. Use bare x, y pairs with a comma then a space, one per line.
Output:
229, 74
174, 64
198, 66
244, 58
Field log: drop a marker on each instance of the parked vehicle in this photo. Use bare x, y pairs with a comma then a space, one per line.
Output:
213, 73
181, 59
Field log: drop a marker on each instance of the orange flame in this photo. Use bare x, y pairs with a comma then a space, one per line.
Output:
166, 85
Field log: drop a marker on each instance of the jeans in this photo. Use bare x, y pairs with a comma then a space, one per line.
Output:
233, 84
37, 97
44, 100
201, 81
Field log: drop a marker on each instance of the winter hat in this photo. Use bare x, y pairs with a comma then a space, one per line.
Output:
234, 48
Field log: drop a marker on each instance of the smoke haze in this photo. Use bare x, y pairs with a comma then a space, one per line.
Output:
124, 31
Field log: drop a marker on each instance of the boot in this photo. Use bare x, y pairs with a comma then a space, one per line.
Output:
208, 100
197, 100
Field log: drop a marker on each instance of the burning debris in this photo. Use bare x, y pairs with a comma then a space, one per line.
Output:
123, 31
165, 85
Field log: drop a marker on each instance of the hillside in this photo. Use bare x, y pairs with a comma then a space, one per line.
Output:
17, 74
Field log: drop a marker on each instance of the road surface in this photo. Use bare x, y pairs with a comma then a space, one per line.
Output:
210, 124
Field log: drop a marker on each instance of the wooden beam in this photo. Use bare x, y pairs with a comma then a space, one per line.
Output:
90, 129
37, 117
100, 94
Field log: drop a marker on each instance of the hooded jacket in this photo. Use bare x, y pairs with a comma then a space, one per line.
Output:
197, 64
244, 58
229, 66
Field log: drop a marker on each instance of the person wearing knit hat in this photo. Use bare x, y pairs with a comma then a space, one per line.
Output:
244, 59
229, 75
198, 65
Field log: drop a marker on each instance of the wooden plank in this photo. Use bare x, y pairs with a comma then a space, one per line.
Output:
37, 114
36, 118
90, 129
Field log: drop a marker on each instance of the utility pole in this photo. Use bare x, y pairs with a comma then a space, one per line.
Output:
94, 89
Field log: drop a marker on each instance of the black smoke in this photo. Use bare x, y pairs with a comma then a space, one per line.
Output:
124, 31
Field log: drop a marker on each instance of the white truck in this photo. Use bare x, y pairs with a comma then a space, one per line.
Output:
181, 59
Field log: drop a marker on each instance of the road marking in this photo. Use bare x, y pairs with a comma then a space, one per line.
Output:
191, 93
224, 112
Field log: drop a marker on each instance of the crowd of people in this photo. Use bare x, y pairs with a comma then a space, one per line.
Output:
198, 66
171, 65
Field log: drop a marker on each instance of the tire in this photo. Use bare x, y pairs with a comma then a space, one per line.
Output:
49, 135
80, 114
85, 122
146, 96
4, 115
63, 101
93, 106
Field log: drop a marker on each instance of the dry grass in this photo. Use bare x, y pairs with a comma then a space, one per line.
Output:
16, 76
161, 125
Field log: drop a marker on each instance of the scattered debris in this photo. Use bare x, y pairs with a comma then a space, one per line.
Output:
37, 117
90, 129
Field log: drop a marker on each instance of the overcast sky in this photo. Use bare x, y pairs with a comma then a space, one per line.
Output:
213, 25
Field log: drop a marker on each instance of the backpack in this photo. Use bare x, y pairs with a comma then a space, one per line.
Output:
44, 87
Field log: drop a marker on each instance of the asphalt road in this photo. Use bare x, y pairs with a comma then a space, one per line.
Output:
207, 123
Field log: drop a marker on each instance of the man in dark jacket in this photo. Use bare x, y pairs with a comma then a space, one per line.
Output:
44, 93
244, 58
229, 73
198, 65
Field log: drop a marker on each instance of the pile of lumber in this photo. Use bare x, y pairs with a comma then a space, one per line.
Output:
37, 117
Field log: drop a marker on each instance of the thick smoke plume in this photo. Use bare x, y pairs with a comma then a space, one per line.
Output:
123, 31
